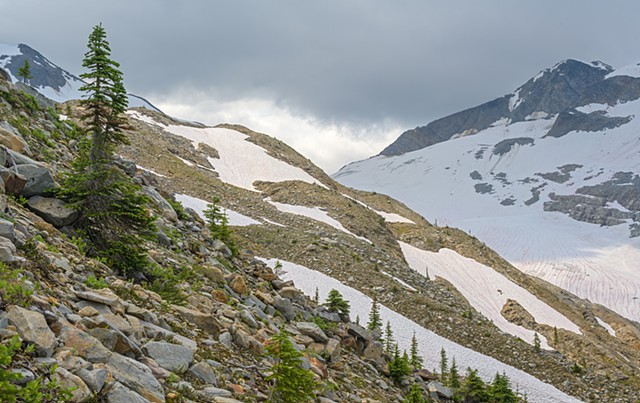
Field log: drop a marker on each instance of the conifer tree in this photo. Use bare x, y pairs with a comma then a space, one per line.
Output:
416, 395
374, 316
473, 389
316, 296
415, 359
25, 72
454, 376
336, 303
536, 342
219, 225
388, 339
443, 366
500, 390
113, 215
291, 382
399, 365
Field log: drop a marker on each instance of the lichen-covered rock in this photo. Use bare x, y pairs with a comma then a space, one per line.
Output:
53, 211
33, 328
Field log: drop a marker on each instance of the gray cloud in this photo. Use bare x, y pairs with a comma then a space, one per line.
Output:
342, 62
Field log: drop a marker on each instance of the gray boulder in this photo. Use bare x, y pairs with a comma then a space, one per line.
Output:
121, 394
7, 250
53, 211
135, 376
312, 330
33, 328
204, 372
162, 204
39, 179
172, 357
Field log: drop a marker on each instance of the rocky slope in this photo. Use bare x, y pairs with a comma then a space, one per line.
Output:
199, 332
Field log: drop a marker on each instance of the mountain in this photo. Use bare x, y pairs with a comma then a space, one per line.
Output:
547, 176
197, 328
49, 79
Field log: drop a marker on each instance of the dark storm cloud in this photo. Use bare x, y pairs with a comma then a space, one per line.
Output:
336, 60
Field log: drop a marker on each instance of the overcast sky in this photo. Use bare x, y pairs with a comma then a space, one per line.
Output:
336, 79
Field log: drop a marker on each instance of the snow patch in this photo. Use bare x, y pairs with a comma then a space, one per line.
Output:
429, 343
632, 70
235, 219
405, 285
254, 165
486, 290
150, 171
606, 326
315, 213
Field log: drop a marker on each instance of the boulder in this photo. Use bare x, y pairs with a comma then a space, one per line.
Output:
80, 392
12, 140
312, 330
204, 321
33, 328
160, 202
204, 372
289, 292
121, 394
173, 357
83, 344
373, 351
104, 296
39, 179
333, 350
439, 389
94, 379
53, 211
7, 250
13, 181
135, 376
239, 285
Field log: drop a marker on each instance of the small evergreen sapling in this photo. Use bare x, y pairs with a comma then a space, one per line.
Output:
416, 395
219, 225
443, 366
388, 339
500, 390
336, 303
25, 72
416, 360
454, 376
473, 389
374, 316
291, 382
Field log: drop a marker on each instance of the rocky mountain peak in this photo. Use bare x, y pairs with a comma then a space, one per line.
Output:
567, 85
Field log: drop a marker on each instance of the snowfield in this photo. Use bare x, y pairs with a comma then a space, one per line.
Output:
486, 290
241, 162
429, 343
235, 219
497, 194
315, 213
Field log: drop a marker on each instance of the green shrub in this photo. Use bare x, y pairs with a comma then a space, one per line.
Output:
96, 283
12, 290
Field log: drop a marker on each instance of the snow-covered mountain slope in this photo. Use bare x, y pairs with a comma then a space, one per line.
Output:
557, 195
48, 78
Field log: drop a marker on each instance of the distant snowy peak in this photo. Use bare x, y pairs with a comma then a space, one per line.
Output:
557, 90
48, 78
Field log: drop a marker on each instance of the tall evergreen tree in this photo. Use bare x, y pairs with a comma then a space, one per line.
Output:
374, 316
415, 359
336, 303
113, 214
473, 389
399, 365
454, 376
25, 72
291, 382
388, 339
443, 366
500, 390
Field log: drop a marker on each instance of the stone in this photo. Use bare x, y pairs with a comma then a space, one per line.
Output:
13, 181
285, 307
245, 341
173, 357
26, 376
157, 371
359, 332
84, 345
210, 393
128, 167
103, 296
221, 247
333, 349
12, 140
373, 351
213, 273
80, 392
53, 211
265, 297
289, 292
226, 339
247, 318
39, 179
88, 311
163, 205
94, 379
239, 285
204, 321
7, 250
204, 372
101, 308
118, 393
312, 330
33, 328
135, 376
7, 229
439, 389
